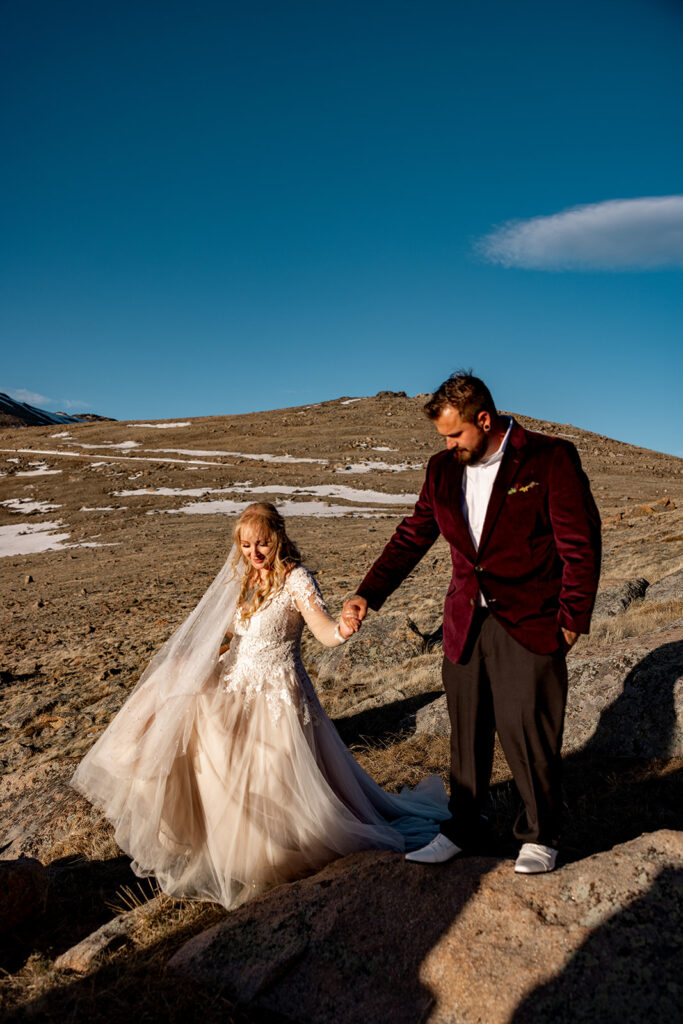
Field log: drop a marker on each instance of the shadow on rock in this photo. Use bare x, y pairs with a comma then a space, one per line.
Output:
384, 720
78, 900
344, 945
643, 721
628, 970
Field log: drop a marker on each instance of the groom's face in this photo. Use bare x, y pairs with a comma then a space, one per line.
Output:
467, 441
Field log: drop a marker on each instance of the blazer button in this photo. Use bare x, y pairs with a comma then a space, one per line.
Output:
478, 568
472, 601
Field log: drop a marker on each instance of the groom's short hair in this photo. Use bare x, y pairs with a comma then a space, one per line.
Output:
465, 393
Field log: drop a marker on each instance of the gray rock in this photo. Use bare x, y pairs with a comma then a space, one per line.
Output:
373, 938
433, 718
613, 602
23, 891
109, 936
625, 700
670, 588
381, 643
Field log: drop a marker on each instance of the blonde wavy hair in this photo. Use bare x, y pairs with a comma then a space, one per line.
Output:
254, 592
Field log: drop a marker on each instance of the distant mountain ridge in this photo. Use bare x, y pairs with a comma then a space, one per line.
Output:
21, 414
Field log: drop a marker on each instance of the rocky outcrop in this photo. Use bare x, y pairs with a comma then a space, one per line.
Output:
372, 937
382, 643
23, 891
670, 588
616, 600
625, 700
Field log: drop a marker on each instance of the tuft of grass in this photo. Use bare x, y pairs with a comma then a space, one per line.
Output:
639, 618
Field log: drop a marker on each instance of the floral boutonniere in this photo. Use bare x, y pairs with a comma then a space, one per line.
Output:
523, 488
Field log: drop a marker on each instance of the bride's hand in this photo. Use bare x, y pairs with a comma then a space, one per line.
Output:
348, 624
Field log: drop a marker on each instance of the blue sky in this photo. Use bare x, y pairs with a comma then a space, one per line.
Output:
213, 207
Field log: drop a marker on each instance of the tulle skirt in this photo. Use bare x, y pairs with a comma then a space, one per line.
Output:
219, 798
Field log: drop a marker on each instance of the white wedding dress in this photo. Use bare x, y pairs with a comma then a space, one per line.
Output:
240, 781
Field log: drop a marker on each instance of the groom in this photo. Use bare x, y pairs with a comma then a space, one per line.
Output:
524, 533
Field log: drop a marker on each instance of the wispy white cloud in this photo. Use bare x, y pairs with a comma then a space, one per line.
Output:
70, 403
618, 234
32, 397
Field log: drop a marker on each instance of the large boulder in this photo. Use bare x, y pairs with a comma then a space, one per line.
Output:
624, 700
381, 643
670, 588
373, 938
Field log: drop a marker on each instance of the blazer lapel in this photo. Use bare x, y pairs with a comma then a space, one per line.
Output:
462, 534
509, 467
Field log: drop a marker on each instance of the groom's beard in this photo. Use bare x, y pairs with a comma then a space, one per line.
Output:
470, 456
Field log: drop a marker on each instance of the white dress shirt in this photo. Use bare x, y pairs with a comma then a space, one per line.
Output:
477, 484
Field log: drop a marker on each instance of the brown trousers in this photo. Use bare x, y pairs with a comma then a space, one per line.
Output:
500, 686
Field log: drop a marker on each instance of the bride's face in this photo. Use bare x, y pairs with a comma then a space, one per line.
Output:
257, 548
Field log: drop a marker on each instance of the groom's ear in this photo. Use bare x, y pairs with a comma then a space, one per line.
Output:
483, 420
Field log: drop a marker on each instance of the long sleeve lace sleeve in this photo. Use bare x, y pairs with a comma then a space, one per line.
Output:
310, 603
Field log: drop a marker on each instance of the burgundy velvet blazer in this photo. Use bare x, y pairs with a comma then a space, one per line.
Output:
538, 560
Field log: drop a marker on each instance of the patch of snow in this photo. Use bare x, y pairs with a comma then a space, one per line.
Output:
339, 491
162, 426
107, 444
318, 509
192, 492
237, 455
42, 470
12, 460
119, 458
317, 490
368, 467
64, 433
28, 505
349, 401
102, 508
30, 538
383, 448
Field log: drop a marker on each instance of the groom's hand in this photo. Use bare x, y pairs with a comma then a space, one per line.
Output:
356, 607
570, 638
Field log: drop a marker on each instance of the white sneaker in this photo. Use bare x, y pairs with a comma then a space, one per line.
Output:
534, 859
439, 850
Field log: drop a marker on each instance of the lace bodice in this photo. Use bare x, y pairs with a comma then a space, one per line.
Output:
264, 657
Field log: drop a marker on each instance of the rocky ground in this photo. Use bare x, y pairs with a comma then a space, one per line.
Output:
140, 519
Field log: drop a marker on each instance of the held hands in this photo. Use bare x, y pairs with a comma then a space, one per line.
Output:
353, 613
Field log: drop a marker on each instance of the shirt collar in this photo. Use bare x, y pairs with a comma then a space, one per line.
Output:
498, 454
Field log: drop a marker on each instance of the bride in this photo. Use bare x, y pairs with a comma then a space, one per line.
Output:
222, 774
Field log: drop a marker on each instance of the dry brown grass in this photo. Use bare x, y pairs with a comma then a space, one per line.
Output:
639, 618
96, 844
130, 982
